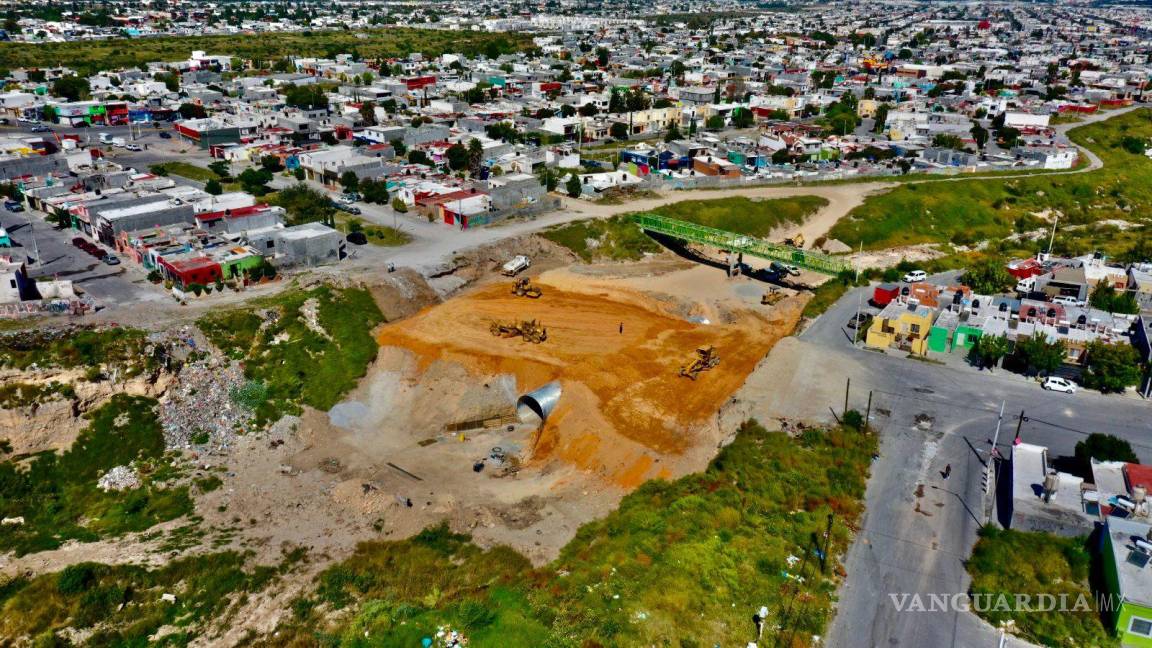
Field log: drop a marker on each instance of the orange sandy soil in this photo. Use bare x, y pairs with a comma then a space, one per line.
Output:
625, 412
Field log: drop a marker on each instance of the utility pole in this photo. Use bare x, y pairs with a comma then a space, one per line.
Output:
1052, 238
847, 386
868, 411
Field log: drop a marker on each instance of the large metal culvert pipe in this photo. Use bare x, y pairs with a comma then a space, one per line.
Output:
537, 405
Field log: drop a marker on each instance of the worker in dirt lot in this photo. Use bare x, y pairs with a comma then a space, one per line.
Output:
621, 328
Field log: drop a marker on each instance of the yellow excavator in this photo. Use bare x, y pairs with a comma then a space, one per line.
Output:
772, 296
706, 358
795, 241
524, 288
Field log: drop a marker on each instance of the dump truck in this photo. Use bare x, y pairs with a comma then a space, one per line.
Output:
518, 264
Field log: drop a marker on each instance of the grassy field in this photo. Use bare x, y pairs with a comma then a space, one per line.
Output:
750, 216
303, 366
968, 211
123, 348
121, 604
185, 169
91, 56
618, 239
57, 494
1054, 566
680, 563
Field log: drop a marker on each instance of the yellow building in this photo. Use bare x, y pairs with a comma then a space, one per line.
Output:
903, 326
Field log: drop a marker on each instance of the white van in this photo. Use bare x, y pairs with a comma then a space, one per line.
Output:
915, 275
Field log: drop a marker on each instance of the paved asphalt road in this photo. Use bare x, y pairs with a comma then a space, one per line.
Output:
913, 539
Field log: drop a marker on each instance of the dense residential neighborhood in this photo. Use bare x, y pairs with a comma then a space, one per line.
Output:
420, 324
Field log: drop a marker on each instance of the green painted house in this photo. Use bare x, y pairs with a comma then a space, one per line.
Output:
1126, 554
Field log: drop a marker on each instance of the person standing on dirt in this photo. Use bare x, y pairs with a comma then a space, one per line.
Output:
947, 471
621, 328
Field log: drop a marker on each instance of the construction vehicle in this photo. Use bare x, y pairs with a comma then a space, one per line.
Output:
706, 358
524, 288
772, 296
528, 330
795, 241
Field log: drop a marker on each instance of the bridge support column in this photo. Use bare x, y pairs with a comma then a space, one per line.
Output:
735, 261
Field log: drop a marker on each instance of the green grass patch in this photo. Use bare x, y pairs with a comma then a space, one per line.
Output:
57, 494
186, 170
968, 211
17, 394
124, 348
91, 56
295, 364
680, 563
122, 605
750, 216
616, 239
1053, 565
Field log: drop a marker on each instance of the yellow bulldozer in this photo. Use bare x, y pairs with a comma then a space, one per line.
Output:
772, 296
706, 358
528, 330
795, 241
524, 288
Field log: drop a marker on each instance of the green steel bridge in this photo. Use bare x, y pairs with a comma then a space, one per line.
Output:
740, 243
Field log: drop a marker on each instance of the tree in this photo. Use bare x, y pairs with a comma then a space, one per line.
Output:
416, 156
220, 167
602, 56
305, 205
715, 122
475, 155
743, 118
457, 155
350, 181
549, 178
948, 140
673, 133
399, 205
573, 186
782, 156
1104, 447
271, 163
989, 277
588, 110
567, 110
368, 113
398, 146
1110, 367
618, 130
616, 102
213, 187
980, 134
1106, 298
72, 88
254, 180
989, 349
310, 97
1038, 355
49, 114
299, 174
192, 111
881, 116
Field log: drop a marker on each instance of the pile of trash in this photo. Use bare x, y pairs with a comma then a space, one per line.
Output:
445, 638
201, 408
120, 478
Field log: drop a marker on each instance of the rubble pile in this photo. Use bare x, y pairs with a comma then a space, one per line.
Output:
200, 409
120, 478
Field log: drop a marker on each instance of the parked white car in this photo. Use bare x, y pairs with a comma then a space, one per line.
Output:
915, 275
1055, 383
1065, 300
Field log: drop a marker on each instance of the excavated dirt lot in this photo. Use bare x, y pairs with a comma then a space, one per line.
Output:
625, 414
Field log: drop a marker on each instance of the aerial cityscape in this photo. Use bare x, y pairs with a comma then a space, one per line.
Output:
575, 324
